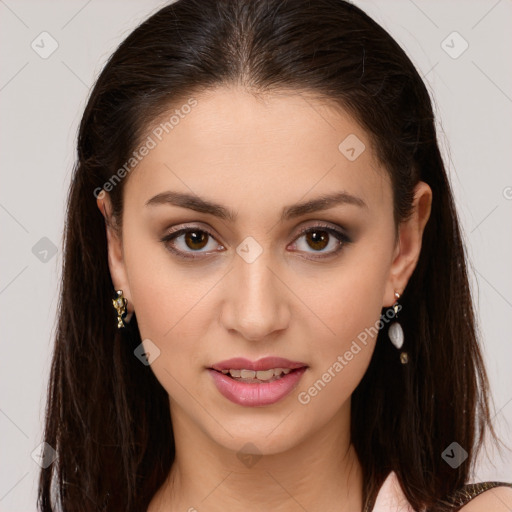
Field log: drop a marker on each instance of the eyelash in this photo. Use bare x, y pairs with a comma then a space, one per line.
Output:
342, 238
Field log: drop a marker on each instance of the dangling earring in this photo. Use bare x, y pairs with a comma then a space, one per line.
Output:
119, 304
396, 333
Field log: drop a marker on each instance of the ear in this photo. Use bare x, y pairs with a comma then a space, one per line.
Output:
408, 247
115, 253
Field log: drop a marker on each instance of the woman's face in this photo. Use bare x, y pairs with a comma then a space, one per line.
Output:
252, 285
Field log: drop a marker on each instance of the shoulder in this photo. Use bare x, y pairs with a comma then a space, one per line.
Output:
497, 499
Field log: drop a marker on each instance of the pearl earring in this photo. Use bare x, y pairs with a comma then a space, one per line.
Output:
396, 333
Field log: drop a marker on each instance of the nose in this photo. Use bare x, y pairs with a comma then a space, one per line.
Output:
256, 307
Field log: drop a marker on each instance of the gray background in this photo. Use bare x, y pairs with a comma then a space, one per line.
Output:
42, 99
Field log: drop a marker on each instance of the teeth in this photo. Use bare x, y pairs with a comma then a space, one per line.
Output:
264, 374
260, 374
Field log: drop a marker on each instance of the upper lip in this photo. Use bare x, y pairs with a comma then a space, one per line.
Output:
266, 363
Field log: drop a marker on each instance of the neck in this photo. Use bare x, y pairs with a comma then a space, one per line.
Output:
319, 473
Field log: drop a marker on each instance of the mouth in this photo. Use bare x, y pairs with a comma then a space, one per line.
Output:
267, 369
257, 383
257, 377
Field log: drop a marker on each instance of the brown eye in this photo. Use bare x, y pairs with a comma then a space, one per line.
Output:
318, 239
196, 239
187, 241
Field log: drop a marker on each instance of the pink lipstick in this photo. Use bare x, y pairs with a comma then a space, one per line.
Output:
256, 383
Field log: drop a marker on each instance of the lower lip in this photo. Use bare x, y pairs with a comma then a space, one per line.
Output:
256, 395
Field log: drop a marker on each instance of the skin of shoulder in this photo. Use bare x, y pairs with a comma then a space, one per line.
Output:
498, 499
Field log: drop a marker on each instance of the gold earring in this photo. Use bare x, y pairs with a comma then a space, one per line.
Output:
119, 304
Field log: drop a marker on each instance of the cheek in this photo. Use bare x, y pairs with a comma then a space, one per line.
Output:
349, 299
339, 360
167, 298
172, 309
350, 308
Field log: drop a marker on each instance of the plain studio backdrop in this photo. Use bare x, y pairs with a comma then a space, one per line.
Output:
51, 54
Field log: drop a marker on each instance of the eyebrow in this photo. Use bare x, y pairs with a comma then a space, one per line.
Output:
194, 202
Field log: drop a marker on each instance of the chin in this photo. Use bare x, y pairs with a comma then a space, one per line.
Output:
259, 438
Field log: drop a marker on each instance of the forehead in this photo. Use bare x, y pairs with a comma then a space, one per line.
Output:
246, 151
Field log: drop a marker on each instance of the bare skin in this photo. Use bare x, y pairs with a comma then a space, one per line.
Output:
256, 157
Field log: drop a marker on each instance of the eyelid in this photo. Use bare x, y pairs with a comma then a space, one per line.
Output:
197, 226
322, 224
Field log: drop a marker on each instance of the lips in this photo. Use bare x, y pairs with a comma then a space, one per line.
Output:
266, 363
256, 383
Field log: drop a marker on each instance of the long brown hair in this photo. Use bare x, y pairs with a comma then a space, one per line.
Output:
107, 416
